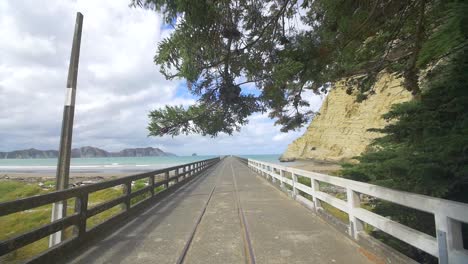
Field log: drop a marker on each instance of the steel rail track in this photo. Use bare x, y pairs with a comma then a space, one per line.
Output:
250, 257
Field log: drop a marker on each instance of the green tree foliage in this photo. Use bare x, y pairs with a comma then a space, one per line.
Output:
221, 46
425, 149
285, 47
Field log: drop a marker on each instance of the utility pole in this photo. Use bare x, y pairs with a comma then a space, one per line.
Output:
59, 209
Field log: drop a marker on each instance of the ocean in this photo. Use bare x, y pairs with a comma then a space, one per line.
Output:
109, 165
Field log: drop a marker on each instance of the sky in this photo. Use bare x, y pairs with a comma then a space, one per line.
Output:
118, 83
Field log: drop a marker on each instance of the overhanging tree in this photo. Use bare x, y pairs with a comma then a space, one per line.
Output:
220, 47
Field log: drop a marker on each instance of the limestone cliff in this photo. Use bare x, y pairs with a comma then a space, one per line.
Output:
339, 132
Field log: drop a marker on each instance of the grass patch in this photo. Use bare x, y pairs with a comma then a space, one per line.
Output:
99, 218
304, 180
21, 222
103, 196
12, 190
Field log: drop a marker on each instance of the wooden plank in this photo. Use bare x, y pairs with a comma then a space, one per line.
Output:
127, 190
332, 200
411, 236
303, 187
27, 203
141, 191
22, 240
105, 206
82, 214
452, 209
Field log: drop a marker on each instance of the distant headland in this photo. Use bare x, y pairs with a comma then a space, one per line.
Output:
85, 152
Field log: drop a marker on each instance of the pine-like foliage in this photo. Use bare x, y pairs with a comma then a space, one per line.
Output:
240, 57
425, 149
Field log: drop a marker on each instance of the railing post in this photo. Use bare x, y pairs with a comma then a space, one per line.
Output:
294, 181
282, 179
127, 190
184, 171
151, 183
177, 175
81, 208
273, 178
355, 225
166, 178
315, 188
449, 239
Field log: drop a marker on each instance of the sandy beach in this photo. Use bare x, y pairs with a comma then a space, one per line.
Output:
100, 175
74, 177
315, 166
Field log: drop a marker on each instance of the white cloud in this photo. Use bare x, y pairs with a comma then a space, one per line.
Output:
118, 83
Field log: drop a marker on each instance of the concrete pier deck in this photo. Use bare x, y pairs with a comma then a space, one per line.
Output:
279, 229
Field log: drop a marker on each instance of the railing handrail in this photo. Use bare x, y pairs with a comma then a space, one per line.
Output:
448, 214
82, 212
27, 203
459, 210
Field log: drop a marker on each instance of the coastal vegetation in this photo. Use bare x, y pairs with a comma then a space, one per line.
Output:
243, 57
18, 223
425, 150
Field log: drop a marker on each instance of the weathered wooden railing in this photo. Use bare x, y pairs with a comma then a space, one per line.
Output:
447, 246
173, 178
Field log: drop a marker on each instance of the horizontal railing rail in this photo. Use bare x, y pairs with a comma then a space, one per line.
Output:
173, 177
447, 246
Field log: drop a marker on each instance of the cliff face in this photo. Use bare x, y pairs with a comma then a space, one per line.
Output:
339, 132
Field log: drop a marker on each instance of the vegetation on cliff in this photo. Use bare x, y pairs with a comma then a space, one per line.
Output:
283, 48
426, 149
219, 47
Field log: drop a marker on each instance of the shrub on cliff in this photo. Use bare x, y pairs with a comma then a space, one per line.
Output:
426, 149
243, 57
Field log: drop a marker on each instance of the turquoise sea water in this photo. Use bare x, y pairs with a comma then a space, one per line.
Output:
114, 164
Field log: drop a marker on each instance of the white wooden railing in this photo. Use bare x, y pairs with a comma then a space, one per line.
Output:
447, 246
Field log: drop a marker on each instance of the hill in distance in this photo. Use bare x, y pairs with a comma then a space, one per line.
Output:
85, 152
